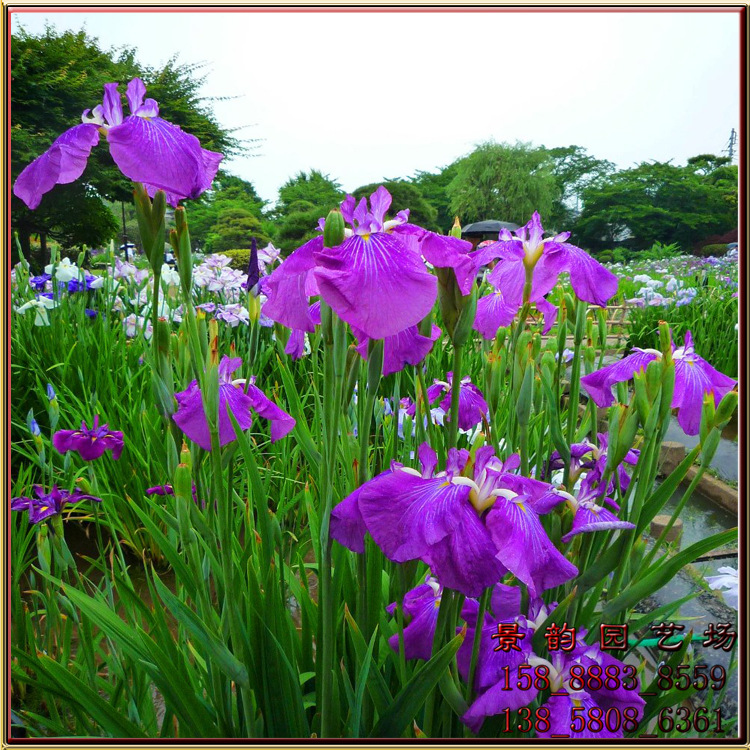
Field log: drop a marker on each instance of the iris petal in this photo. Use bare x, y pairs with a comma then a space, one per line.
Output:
375, 284
160, 154
62, 163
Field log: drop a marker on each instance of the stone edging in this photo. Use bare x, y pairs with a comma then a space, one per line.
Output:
720, 493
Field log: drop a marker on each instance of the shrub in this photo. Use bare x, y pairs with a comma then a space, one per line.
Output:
240, 258
711, 250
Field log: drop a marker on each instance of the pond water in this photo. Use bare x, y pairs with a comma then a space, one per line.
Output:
726, 459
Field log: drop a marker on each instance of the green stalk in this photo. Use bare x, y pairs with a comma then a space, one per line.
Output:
455, 389
483, 602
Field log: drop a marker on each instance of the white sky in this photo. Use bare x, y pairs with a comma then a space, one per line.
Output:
370, 95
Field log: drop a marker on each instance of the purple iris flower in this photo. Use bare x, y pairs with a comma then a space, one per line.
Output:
295, 346
442, 251
408, 347
89, 443
471, 404
375, 280
420, 607
76, 285
47, 504
694, 377
145, 147
39, 282
167, 489
90, 313
590, 513
191, 418
471, 523
548, 258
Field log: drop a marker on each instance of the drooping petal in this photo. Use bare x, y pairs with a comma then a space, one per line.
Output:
599, 384
524, 547
375, 284
347, 525
62, 163
162, 155
694, 377
590, 517
549, 311
281, 422
286, 288
590, 280
471, 405
494, 311
450, 252
419, 634
405, 347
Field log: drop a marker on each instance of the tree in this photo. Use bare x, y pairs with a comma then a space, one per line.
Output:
303, 199
404, 195
575, 170
433, 186
504, 182
228, 193
55, 77
235, 229
659, 202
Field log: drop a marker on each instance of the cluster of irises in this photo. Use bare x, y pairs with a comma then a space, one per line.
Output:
475, 519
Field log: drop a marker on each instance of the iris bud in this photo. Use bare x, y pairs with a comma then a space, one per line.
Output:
455, 230
616, 414
333, 230
665, 340
183, 482
626, 436
708, 414
708, 448
667, 387
726, 408
641, 397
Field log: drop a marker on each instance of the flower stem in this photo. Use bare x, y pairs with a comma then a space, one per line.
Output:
455, 390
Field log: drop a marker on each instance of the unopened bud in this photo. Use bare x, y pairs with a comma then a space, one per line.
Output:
333, 230
456, 228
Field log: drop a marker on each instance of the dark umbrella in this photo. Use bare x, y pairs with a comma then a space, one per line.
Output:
487, 227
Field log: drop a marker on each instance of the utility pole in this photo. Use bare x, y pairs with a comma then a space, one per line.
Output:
732, 144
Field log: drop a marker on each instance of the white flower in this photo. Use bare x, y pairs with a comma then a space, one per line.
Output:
66, 271
641, 278
134, 323
40, 305
97, 283
169, 276
730, 581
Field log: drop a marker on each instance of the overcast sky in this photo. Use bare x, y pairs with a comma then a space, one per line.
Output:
370, 95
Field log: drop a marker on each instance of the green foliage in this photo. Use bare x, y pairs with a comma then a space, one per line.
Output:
433, 187
234, 227
240, 258
659, 202
504, 182
303, 199
659, 251
575, 170
405, 195
229, 193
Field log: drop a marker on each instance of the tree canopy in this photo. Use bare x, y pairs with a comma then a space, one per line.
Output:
303, 199
404, 195
503, 181
660, 202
